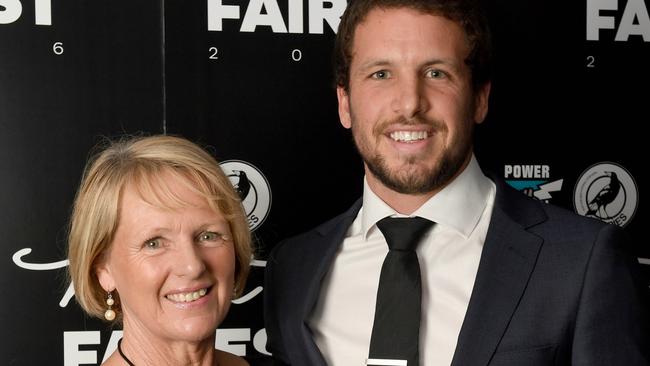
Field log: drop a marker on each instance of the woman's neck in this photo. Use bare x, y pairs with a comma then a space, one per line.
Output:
143, 348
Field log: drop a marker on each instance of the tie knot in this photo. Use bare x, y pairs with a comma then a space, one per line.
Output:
403, 233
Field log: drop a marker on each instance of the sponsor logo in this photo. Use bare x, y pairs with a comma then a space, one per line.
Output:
634, 21
532, 180
608, 192
83, 347
267, 13
253, 189
11, 10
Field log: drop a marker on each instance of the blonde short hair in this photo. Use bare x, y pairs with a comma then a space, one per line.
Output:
139, 161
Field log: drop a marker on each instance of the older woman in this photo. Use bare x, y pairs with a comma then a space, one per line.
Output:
159, 242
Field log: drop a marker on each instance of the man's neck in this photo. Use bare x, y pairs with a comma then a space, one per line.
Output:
403, 203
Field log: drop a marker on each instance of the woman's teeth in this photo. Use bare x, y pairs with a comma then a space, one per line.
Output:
188, 296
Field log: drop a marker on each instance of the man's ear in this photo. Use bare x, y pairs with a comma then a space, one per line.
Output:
481, 102
344, 106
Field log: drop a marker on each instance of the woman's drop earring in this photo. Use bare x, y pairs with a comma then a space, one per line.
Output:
110, 314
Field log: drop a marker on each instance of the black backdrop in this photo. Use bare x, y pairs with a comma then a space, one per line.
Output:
252, 80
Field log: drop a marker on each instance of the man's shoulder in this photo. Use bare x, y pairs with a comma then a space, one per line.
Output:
550, 221
533, 212
571, 226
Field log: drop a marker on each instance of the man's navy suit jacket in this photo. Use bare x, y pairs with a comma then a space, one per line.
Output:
552, 288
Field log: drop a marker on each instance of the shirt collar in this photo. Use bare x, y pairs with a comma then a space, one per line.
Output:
458, 206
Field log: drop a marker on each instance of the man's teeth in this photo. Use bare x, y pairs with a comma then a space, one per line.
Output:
409, 136
188, 296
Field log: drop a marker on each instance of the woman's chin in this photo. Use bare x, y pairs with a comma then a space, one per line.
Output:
192, 333
196, 329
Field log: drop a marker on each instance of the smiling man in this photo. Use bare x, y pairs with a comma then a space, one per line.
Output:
437, 264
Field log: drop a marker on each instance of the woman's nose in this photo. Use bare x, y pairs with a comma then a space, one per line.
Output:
189, 261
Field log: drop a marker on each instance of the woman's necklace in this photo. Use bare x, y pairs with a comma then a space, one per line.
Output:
119, 349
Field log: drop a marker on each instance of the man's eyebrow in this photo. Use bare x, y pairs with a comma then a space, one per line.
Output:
374, 63
440, 61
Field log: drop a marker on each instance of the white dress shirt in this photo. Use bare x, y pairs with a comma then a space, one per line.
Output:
449, 256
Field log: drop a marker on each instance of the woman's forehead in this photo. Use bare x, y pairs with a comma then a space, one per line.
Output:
168, 189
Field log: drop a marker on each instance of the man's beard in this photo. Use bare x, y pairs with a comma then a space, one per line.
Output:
411, 177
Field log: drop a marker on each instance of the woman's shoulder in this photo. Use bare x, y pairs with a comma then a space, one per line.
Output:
228, 359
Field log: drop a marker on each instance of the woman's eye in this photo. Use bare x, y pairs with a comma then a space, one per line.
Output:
211, 236
381, 74
208, 235
152, 243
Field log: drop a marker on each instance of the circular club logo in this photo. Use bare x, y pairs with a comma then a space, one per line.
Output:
608, 192
253, 189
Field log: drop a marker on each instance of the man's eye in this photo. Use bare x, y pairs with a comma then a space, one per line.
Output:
381, 74
152, 243
435, 74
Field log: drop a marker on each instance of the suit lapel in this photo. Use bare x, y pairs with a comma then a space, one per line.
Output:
508, 259
319, 260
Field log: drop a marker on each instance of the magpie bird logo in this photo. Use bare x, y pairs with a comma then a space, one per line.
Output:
606, 195
253, 190
608, 192
243, 185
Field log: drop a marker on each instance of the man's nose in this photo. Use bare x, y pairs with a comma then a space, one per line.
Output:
410, 98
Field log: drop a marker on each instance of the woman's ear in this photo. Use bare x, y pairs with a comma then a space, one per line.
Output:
105, 276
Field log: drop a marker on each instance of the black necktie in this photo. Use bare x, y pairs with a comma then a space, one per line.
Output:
396, 330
